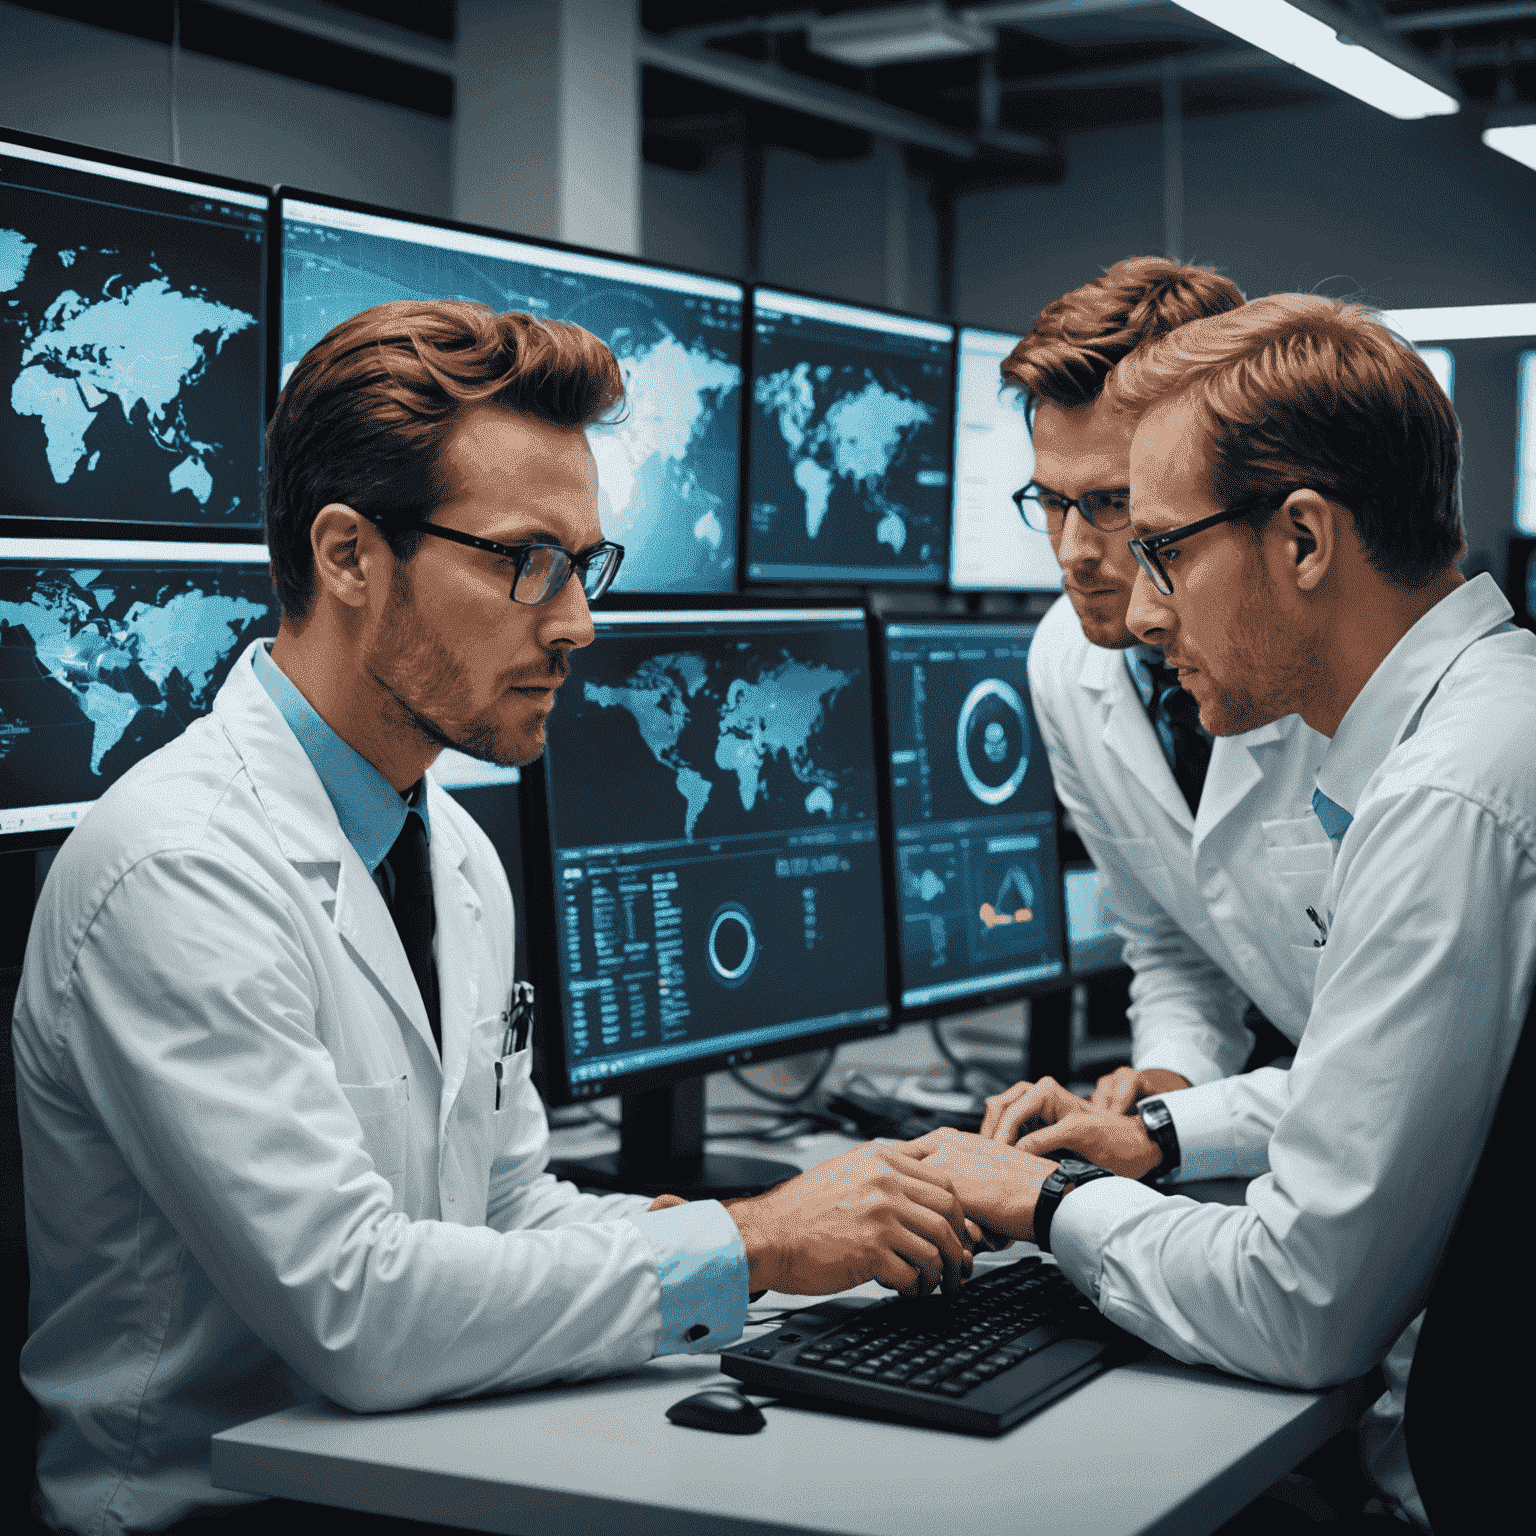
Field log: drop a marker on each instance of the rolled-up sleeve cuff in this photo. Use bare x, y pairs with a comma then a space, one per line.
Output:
1202, 1120
1086, 1220
702, 1267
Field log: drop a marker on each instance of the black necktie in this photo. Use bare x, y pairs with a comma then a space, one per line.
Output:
1191, 744
405, 878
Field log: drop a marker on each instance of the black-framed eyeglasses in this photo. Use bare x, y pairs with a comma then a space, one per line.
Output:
1149, 551
539, 570
1046, 511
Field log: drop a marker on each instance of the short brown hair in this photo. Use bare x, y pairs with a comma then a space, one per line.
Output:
1076, 341
364, 417
1299, 392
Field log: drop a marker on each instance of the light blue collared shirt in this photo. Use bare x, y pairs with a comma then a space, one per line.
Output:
1138, 660
370, 809
700, 1260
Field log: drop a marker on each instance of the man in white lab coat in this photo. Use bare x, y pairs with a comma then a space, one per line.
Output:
1197, 844
279, 1134
1295, 479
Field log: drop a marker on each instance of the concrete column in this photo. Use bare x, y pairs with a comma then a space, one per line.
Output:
892, 164
546, 133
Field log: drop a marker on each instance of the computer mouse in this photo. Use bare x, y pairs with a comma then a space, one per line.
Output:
721, 1408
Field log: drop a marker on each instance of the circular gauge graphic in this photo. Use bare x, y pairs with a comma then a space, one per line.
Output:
992, 741
732, 945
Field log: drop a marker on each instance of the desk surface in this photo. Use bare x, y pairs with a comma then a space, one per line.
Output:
1154, 1447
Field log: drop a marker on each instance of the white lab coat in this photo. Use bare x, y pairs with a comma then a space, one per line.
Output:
1211, 907
249, 1179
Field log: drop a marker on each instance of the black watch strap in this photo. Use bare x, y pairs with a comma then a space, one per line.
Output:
1067, 1175
1160, 1131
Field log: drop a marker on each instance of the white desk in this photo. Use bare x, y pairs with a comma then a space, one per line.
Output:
1149, 1448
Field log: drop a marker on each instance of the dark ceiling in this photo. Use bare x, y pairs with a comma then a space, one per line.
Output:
1068, 66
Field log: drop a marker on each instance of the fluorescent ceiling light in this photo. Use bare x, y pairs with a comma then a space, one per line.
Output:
1512, 131
1465, 322
1294, 34
902, 34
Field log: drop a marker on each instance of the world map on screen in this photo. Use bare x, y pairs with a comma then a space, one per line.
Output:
842, 424
99, 666
96, 332
773, 713
668, 471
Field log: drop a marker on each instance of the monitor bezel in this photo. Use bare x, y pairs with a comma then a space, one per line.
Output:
40, 839
825, 587
13, 526
283, 191
543, 965
1021, 589
987, 996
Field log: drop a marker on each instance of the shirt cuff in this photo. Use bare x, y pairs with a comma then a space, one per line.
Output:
1085, 1221
1202, 1120
1183, 1057
702, 1267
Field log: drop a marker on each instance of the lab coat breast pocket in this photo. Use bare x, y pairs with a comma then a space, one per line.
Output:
383, 1111
1300, 872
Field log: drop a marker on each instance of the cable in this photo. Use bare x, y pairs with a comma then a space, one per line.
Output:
787, 1098
959, 1068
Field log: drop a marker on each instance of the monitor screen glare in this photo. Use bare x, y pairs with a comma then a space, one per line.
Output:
669, 470
130, 343
991, 546
108, 650
974, 811
716, 868
849, 446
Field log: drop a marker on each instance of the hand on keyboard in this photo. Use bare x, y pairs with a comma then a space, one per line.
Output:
872, 1214
1064, 1123
997, 1184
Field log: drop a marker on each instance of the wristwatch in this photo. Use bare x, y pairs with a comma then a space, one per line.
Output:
1161, 1133
1068, 1174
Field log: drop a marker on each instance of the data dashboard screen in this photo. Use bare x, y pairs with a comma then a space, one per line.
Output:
1092, 938
991, 546
130, 342
108, 650
848, 462
710, 784
973, 805
669, 470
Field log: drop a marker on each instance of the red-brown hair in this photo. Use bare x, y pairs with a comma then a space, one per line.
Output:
1076, 341
1296, 391
364, 417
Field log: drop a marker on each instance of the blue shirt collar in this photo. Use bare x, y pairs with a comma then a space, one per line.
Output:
1137, 660
371, 811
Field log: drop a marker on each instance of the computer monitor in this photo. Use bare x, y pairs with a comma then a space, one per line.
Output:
848, 443
131, 345
1525, 442
108, 650
669, 470
991, 547
703, 868
973, 813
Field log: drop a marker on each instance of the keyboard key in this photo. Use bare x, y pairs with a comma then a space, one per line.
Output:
954, 1388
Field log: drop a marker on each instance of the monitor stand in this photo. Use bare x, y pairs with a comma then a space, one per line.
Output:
661, 1152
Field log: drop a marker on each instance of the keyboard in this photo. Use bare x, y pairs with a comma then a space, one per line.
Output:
1013, 1340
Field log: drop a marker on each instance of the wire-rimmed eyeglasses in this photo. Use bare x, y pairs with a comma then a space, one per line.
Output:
539, 570
1046, 511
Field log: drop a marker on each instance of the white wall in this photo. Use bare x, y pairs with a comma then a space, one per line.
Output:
96, 87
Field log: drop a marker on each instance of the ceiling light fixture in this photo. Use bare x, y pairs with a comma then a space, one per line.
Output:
903, 34
1314, 36
1512, 131
1463, 322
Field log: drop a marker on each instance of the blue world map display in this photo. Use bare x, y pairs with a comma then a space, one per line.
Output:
130, 353
721, 739
669, 470
101, 664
